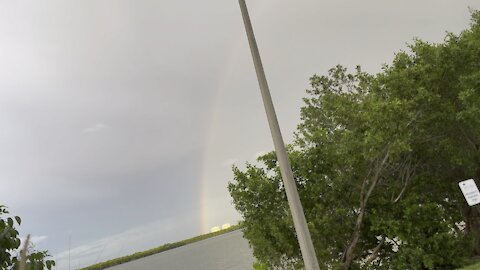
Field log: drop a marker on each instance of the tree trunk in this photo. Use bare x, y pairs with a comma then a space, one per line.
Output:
365, 194
473, 228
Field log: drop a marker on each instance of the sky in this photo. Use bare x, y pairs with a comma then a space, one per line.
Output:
120, 120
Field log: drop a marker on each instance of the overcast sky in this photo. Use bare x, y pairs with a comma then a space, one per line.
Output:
120, 120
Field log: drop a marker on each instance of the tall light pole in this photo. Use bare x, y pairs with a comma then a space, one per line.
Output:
299, 221
69, 248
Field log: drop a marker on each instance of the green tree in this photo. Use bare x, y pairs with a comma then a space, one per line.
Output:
377, 160
9, 239
10, 244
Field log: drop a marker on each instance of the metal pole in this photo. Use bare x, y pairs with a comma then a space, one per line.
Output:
69, 248
299, 221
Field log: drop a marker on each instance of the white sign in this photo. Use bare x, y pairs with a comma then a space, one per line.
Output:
470, 191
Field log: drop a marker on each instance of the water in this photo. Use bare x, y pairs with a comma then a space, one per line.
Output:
225, 252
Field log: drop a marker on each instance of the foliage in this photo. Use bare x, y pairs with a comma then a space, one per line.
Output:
259, 266
10, 243
9, 239
37, 260
162, 248
475, 266
377, 159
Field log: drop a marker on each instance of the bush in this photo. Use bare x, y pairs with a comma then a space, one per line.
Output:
10, 243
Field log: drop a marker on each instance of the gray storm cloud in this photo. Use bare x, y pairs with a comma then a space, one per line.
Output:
119, 117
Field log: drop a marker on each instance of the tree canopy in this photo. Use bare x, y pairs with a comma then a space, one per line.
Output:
377, 160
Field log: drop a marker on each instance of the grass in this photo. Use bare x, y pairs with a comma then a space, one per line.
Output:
473, 264
162, 248
472, 267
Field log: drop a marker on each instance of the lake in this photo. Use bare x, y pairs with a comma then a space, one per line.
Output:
228, 251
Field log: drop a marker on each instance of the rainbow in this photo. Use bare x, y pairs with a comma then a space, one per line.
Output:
234, 56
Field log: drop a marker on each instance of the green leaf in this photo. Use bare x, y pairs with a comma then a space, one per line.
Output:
10, 222
18, 219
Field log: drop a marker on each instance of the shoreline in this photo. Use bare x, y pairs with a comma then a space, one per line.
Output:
159, 249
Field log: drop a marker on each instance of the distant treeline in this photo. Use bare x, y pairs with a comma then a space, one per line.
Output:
162, 248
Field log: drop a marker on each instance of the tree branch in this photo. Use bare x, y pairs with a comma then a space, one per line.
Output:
375, 252
348, 254
407, 173
475, 145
